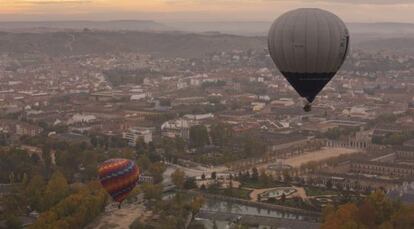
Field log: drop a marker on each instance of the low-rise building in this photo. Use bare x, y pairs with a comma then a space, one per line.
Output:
383, 169
136, 133
25, 129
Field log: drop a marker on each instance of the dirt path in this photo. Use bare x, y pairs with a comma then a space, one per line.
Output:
119, 218
300, 192
319, 155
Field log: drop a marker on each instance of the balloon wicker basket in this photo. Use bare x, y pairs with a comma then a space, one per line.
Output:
307, 107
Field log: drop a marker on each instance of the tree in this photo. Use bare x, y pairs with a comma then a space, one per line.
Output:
143, 162
198, 136
283, 197
152, 192
375, 211
404, 218
74, 211
156, 170
215, 225
265, 179
329, 184
34, 191
190, 183
213, 175
286, 176
178, 178
197, 203
255, 174
221, 134
57, 188
344, 217
13, 222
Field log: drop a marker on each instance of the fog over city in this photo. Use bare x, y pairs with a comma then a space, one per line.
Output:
206, 114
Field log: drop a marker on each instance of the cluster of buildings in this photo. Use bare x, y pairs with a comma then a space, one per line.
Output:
139, 97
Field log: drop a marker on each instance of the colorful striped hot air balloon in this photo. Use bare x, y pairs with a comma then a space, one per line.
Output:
118, 177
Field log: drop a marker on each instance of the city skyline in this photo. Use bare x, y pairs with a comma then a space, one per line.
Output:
199, 10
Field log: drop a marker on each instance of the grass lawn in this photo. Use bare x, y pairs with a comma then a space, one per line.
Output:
259, 185
233, 192
312, 191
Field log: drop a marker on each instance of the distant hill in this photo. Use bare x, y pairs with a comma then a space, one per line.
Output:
401, 45
262, 27
360, 31
136, 25
169, 44
165, 44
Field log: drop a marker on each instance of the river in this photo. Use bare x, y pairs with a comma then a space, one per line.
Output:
226, 213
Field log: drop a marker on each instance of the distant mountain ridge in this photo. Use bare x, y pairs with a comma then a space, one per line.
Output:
250, 28
261, 27
163, 44
135, 25
145, 38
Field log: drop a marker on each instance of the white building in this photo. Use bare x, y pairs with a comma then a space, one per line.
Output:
138, 96
199, 116
182, 84
80, 118
177, 127
136, 133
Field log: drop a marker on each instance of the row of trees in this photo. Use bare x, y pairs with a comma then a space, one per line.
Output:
173, 213
376, 211
221, 135
76, 210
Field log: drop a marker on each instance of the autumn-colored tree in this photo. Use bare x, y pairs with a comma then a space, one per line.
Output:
178, 178
382, 206
197, 203
57, 188
344, 217
74, 211
404, 218
156, 170
376, 211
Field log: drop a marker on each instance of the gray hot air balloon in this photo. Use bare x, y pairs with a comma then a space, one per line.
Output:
308, 46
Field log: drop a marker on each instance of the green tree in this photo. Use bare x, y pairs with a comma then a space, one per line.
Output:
13, 222
213, 175
255, 174
34, 191
221, 134
190, 183
152, 192
198, 136
144, 162
57, 188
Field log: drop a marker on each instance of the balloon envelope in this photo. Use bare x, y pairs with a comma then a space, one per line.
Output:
308, 46
118, 177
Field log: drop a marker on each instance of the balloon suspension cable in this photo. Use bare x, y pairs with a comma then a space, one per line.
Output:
307, 107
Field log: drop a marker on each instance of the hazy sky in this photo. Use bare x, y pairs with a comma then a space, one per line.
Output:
201, 10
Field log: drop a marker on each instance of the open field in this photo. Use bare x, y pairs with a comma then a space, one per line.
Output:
119, 218
319, 155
